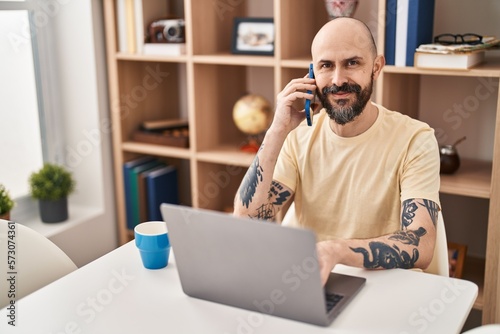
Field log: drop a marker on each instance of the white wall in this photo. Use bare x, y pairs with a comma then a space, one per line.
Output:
19, 105
78, 37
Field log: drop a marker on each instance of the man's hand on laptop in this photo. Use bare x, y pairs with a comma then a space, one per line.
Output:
327, 258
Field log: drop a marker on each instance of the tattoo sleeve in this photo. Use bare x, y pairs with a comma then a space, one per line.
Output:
433, 210
265, 212
276, 195
280, 195
382, 255
409, 208
250, 182
409, 237
387, 257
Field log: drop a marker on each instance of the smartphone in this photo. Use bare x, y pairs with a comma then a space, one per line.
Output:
309, 112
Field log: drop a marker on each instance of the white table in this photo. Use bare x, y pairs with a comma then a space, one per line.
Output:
115, 294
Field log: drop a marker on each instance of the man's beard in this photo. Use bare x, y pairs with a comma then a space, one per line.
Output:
343, 114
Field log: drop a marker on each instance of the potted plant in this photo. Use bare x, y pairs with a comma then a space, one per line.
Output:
6, 203
51, 185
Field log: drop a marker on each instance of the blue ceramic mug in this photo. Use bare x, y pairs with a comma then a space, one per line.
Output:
151, 238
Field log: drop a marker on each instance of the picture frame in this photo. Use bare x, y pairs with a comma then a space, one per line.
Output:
456, 259
253, 36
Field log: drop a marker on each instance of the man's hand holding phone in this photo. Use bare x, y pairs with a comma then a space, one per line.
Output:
309, 112
289, 111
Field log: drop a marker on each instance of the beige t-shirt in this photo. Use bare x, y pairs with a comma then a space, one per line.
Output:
353, 187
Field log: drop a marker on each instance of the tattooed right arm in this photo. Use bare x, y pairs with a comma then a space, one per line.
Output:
259, 196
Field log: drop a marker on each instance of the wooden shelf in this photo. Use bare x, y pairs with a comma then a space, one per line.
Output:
473, 179
296, 63
491, 68
158, 150
226, 155
151, 58
204, 84
474, 272
231, 59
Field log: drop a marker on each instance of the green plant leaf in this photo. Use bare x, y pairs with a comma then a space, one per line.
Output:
52, 182
6, 202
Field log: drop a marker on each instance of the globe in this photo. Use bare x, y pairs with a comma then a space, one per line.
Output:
252, 114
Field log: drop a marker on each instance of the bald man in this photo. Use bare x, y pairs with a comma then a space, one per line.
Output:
364, 178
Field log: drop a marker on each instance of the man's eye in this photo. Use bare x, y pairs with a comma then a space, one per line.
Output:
326, 65
352, 62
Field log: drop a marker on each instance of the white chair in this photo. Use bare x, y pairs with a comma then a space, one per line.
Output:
485, 329
38, 261
439, 264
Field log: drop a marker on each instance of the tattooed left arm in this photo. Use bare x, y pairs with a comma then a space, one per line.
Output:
410, 247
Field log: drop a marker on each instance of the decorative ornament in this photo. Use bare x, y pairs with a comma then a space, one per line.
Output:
252, 115
341, 8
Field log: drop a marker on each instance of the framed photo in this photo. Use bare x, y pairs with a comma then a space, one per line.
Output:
253, 36
456, 258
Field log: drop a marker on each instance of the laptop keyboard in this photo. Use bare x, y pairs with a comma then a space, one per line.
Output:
332, 299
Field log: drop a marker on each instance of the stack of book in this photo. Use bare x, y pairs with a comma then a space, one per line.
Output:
456, 57
148, 183
409, 23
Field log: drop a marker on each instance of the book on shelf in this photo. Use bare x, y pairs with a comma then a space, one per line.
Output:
414, 26
130, 26
455, 61
148, 182
127, 184
390, 31
122, 26
162, 187
164, 124
140, 34
133, 20
143, 192
401, 32
420, 26
488, 42
164, 49
134, 190
175, 138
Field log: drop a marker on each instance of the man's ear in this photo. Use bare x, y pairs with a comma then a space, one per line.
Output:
378, 65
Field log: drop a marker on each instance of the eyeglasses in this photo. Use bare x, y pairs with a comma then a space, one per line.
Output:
450, 39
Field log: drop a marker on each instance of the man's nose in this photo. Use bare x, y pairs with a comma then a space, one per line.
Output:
339, 77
